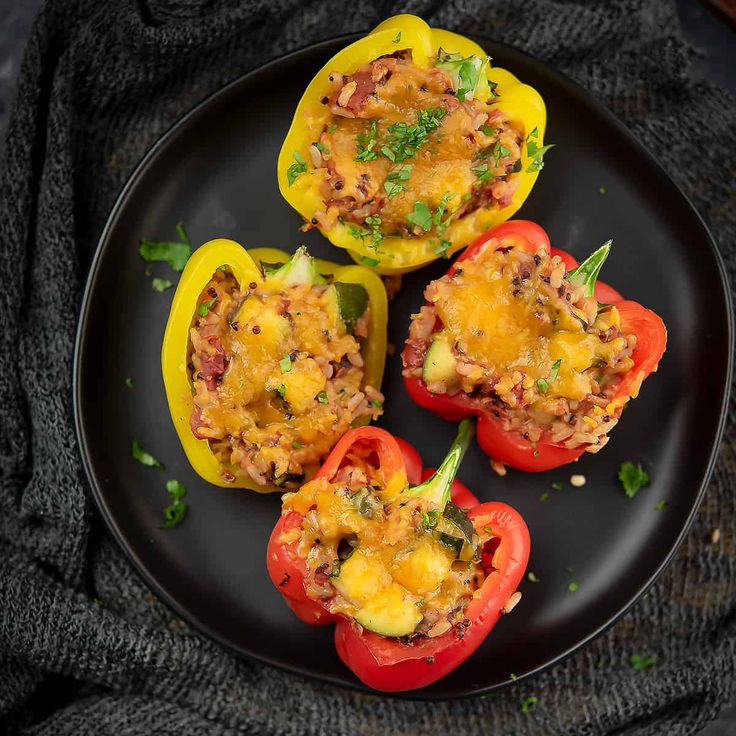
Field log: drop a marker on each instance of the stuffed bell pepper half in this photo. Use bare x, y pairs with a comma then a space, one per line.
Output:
413, 574
408, 144
520, 335
268, 359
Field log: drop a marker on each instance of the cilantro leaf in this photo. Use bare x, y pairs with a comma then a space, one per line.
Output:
640, 662
633, 478
175, 253
465, 73
175, 512
161, 284
542, 385
145, 458
536, 152
420, 216
404, 140
285, 364
528, 703
443, 247
392, 189
297, 169
397, 38
367, 142
322, 397
555, 370
205, 307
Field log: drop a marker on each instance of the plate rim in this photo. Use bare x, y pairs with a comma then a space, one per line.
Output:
82, 324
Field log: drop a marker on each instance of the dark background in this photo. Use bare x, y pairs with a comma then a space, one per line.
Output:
713, 38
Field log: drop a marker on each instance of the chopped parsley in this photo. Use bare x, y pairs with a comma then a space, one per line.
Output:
660, 504
129, 382
421, 216
174, 252
544, 496
640, 662
392, 189
281, 391
573, 587
557, 485
367, 142
161, 284
374, 223
403, 140
285, 364
443, 247
376, 404
439, 225
332, 128
175, 512
145, 458
322, 148
401, 174
542, 385
322, 397
532, 578
296, 445
205, 307
397, 38
487, 130
555, 370
296, 169
535, 151
369, 261
464, 72
483, 172
632, 477
528, 703
420, 603
601, 190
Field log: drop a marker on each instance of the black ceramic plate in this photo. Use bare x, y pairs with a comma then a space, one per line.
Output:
216, 171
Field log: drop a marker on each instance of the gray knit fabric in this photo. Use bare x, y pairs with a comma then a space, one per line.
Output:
100, 83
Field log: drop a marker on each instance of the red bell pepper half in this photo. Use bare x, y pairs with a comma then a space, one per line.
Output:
510, 448
394, 664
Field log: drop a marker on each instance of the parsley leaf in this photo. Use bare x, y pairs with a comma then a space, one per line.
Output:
129, 382
640, 662
542, 385
367, 142
632, 477
205, 307
443, 247
175, 512
420, 216
376, 404
487, 130
322, 397
536, 152
544, 496
402, 173
528, 703
557, 485
440, 211
285, 364
161, 284
397, 38
430, 519
297, 169
392, 189
145, 458
403, 140
175, 253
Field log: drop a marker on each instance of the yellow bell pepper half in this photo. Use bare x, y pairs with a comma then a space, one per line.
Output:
175, 350
520, 104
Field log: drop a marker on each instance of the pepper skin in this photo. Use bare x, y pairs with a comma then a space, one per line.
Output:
520, 104
175, 347
510, 448
390, 664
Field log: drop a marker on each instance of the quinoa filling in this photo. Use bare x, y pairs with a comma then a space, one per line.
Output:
408, 151
508, 329
377, 556
277, 377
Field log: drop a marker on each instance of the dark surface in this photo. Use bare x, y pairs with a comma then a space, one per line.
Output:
594, 536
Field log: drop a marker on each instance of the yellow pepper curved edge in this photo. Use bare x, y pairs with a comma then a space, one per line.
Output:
520, 103
175, 347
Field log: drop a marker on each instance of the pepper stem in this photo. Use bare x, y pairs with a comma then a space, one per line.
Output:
586, 274
436, 489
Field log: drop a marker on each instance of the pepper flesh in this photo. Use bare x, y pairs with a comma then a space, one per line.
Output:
175, 347
509, 447
390, 664
520, 104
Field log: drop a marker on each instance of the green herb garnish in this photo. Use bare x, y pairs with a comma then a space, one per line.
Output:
536, 152
397, 38
285, 364
403, 140
129, 382
660, 505
161, 284
443, 248
532, 578
175, 253
297, 445
421, 216
175, 512
392, 189
367, 142
205, 307
464, 72
640, 662
557, 485
322, 148
370, 261
544, 496
573, 587
322, 397
555, 370
528, 703
376, 404
542, 385
633, 478
297, 169
145, 458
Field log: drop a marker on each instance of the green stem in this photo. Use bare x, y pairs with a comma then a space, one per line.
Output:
437, 488
586, 274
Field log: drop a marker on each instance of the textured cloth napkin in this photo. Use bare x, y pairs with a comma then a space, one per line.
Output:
85, 648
